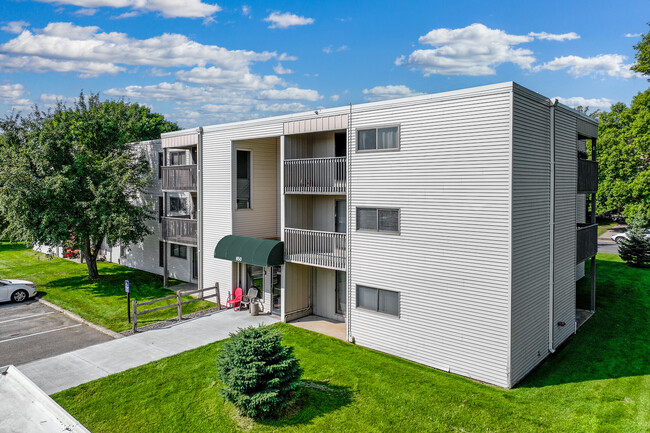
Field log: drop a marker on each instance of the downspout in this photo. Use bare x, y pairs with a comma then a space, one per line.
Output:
199, 189
348, 195
551, 312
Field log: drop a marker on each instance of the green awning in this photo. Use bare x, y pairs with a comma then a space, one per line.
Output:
253, 251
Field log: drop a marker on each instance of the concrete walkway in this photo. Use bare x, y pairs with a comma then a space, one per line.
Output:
84, 365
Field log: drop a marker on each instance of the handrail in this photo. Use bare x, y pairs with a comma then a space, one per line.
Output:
179, 177
312, 247
315, 175
179, 230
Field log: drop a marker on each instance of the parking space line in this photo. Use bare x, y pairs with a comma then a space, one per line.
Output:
27, 317
39, 333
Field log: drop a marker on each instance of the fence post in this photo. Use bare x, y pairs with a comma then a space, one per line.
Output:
135, 315
218, 296
180, 307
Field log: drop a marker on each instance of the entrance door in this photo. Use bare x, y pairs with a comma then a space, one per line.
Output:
340, 217
341, 295
276, 291
195, 264
339, 144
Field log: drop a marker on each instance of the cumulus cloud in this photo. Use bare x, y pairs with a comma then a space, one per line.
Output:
167, 8
14, 27
555, 37
574, 101
604, 64
291, 107
64, 46
632, 35
11, 91
335, 98
330, 49
472, 50
246, 10
281, 70
50, 99
378, 93
287, 19
293, 93
237, 79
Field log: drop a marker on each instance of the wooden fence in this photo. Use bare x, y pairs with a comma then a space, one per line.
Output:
178, 304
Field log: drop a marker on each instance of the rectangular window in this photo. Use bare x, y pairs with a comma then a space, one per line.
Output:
380, 300
383, 220
122, 251
340, 292
179, 251
243, 179
177, 158
160, 164
161, 209
177, 204
378, 138
161, 253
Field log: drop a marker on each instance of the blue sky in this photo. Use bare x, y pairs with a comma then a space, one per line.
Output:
200, 62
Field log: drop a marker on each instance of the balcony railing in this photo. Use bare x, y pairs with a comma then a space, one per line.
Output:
179, 178
315, 176
179, 230
309, 247
587, 176
586, 242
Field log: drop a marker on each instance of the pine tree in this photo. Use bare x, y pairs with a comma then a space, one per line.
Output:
260, 374
635, 250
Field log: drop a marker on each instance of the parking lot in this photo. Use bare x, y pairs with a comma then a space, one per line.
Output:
31, 331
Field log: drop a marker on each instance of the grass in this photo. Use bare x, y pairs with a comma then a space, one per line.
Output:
65, 283
598, 382
603, 227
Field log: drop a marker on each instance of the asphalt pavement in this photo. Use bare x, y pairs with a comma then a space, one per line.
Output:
30, 331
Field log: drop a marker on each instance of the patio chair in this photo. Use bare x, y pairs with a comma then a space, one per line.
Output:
236, 300
250, 297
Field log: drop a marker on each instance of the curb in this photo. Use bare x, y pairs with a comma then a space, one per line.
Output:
79, 319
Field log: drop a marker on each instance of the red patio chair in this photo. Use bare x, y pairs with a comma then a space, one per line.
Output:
236, 300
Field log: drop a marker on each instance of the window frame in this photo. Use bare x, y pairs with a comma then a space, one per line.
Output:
183, 202
173, 153
376, 309
377, 128
161, 254
377, 230
161, 163
250, 180
175, 251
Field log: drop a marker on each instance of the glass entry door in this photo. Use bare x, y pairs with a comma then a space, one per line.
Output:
276, 292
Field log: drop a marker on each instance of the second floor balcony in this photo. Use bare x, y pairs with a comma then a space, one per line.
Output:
179, 230
179, 178
317, 248
587, 176
586, 241
315, 175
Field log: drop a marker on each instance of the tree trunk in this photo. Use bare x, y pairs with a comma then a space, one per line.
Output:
91, 260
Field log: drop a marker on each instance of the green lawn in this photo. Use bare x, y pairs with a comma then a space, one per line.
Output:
103, 302
602, 228
599, 382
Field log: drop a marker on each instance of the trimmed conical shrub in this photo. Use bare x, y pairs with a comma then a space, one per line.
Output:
260, 374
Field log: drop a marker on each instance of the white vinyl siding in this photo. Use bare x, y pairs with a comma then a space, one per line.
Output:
454, 280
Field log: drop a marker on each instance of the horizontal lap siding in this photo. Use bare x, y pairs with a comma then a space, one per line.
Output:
450, 263
530, 235
566, 161
217, 197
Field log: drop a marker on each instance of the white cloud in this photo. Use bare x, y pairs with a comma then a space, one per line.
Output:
632, 35
281, 70
378, 93
555, 37
603, 64
574, 101
292, 93
472, 50
158, 72
49, 99
14, 27
335, 98
246, 10
11, 91
284, 20
225, 108
61, 46
127, 15
85, 12
329, 49
167, 8
237, 79
292, 107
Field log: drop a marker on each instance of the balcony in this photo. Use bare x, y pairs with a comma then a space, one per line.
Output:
586, 242
587, 176
179, 231
315, 176
309, 247
179, 178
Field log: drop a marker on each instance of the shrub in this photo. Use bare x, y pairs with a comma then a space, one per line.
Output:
260, 374
635, 250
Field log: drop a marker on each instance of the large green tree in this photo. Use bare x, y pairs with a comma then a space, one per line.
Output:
642, 64
624, 157
72, 174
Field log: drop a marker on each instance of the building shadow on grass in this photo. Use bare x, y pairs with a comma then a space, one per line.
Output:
614, 342
315, 399
142, 284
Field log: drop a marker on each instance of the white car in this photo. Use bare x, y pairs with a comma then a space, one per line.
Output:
618, 237
16, 290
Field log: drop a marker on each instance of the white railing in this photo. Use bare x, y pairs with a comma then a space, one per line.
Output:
309, 247
315, 175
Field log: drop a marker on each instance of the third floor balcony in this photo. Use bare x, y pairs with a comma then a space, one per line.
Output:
315, 175
179, 178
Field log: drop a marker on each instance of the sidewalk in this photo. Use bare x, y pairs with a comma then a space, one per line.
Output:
84, 365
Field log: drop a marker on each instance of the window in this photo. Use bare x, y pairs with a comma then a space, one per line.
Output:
378, 138
340, 292
383, 220
383, 301
179, 251
160, 164
177, 204
161, 253
122, 251
243, 179
177, 158
161, 209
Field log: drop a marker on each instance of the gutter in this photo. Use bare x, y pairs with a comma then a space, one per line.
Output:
551, 312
